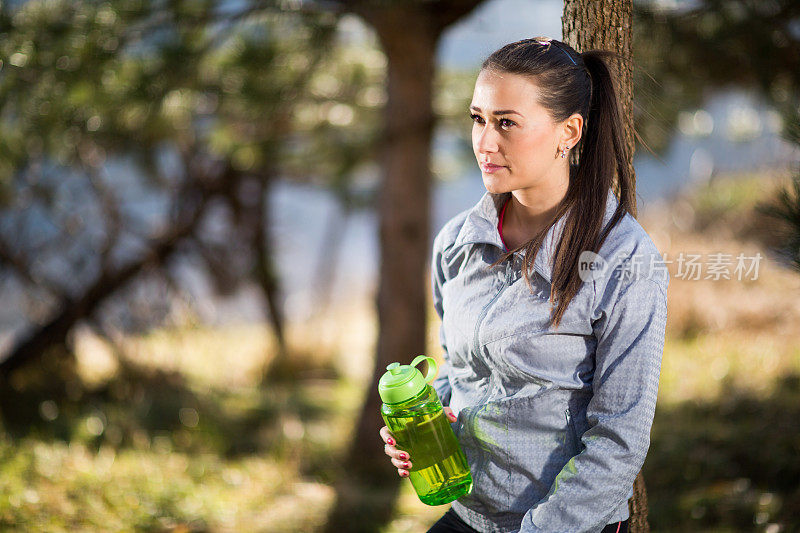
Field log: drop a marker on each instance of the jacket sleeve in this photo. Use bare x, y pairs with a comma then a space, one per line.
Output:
442, 383
597, 481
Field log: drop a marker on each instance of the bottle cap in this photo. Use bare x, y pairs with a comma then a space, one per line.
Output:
403, 382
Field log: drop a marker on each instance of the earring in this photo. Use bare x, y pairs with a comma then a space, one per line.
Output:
564, 152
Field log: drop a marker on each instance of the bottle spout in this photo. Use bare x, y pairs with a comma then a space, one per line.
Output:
394, 368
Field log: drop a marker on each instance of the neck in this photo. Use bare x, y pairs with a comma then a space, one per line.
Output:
532, 209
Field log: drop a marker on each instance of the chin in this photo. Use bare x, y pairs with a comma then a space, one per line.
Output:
495, 186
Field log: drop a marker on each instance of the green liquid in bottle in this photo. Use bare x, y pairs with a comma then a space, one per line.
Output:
439, 470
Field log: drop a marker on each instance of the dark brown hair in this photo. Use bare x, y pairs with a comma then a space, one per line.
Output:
574, 83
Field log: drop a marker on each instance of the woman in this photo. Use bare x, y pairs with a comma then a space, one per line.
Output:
550, 384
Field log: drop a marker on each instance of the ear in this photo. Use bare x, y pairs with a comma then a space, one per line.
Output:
572, 128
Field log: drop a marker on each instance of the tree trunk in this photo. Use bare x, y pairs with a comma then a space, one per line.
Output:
607, 25
404, 208
265, 270
408, 32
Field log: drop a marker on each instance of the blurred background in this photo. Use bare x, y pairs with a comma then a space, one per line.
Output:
190, 254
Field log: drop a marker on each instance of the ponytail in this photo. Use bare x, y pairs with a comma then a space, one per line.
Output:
603, 131
604, 153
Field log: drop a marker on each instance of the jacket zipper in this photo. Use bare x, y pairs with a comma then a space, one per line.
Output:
484, 312
572, 432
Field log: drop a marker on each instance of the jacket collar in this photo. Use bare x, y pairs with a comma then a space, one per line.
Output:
480, 226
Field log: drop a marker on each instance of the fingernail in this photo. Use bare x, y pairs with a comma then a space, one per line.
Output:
404, 473
406, 465
403, 456
390, 441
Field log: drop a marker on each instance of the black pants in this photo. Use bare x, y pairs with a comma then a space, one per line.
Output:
451, 523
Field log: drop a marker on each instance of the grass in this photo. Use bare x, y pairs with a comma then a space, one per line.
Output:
56, 486
178, 436
185, 440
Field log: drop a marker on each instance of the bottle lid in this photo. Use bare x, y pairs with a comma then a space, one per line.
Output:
403, 382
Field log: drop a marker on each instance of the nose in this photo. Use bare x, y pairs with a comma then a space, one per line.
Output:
486, 140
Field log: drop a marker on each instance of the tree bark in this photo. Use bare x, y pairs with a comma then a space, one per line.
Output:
607, 25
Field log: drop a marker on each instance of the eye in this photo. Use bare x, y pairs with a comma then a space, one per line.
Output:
504, 122
476, 118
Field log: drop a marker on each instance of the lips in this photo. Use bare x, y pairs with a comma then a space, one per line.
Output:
488, 167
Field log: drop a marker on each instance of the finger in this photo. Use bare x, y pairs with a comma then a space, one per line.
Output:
387, 436
391, 451
450, 415
394, 453
402, 465
402, 473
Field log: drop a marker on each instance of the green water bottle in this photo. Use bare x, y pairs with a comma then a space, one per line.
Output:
414, 415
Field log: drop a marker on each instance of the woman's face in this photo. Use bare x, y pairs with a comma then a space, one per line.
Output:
512, 130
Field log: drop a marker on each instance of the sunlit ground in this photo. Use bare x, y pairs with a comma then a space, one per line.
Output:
198, 446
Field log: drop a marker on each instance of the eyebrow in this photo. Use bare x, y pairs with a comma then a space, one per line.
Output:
501, 112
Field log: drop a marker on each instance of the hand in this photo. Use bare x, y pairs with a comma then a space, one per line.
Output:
401, 458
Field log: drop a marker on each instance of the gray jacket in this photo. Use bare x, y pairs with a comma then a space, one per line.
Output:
555, 423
